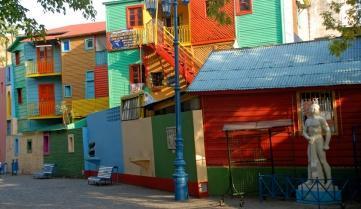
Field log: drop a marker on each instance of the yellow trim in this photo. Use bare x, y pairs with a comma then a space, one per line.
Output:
44, 117
42, 75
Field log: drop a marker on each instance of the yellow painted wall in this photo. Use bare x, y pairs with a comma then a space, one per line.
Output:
8, 102
75, 63
138, 147
31, 162
3, 53
199, 146
202, 52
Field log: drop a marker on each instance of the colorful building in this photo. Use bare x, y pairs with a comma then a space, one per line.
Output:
264, 22
141, 50
273, 83
2, 115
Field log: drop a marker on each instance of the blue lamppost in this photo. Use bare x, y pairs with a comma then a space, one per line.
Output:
180, 176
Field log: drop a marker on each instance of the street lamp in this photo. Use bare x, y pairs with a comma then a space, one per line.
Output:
180, 176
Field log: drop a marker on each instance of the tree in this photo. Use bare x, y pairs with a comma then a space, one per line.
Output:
214, 11
349, 26
13, 15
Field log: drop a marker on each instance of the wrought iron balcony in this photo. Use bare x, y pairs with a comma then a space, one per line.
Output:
44, 110
40, 68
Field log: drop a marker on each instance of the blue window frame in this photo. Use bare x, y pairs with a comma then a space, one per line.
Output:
89, 43
66, 45
89, 85
68, 91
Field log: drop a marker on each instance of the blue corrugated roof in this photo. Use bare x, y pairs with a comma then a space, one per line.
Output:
303, 64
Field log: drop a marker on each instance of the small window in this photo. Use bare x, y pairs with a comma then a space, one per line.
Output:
157, 79
71, 143
131, 108
46, 144
326, 101
89, 43
8, 75
8, 127
243, 7
19, 92
68, 91
65, 45
135, 16
89, 85
136, 74
17, 58
29, 146
16, 147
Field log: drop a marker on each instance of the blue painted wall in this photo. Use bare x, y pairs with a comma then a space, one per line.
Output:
104, 128
33, 90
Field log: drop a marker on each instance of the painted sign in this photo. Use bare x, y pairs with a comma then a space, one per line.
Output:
123, 39
171, 135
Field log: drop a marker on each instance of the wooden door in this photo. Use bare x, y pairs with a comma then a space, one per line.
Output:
45, 59
46, 99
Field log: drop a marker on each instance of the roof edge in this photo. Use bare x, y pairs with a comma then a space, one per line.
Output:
120, 2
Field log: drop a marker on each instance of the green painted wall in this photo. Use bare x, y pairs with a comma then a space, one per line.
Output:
67, 164
116, 18
262, 27
118, 73
246, 178
162, 156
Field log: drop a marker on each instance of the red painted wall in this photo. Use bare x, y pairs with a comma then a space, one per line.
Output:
2, 115
101, 81
270, 105
205, 30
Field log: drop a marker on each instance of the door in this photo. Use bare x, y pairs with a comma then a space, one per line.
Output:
45, 59
46, 99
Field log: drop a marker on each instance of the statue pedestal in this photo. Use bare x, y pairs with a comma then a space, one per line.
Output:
316, 192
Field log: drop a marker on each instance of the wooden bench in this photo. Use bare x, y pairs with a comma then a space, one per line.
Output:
46, 172
104, 176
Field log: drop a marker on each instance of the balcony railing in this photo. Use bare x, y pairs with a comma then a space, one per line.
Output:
83, 107
43, 110
184, 33
41, 68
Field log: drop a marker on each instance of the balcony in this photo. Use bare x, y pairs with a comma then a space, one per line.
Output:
83, 107
40, 69
44, 110
184, 34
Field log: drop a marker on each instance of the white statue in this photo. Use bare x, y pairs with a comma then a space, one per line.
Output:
315, 126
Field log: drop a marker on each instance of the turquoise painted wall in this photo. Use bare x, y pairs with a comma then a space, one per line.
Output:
67, 164
116, 14
262, 27
164, 157
118, 73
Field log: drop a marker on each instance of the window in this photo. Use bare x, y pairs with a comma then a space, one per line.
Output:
326, 100
19, 91
8, 75
68, 91
243, 7
16, 147
157, 79
89, 43
89, 85
71, 143
17, 58
134, 16
131, 108
29, 146
46, 144
136, 74
65, 45
8, 127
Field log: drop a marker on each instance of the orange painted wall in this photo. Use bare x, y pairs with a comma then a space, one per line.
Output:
219, 109
75, 64
206, 30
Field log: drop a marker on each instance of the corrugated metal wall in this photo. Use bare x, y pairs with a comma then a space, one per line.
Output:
101, 81
33, 87
75, 65
212, 31
118, 73
262, 27
116, 16
288, 151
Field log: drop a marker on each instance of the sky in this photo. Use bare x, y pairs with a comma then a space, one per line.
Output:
51, 20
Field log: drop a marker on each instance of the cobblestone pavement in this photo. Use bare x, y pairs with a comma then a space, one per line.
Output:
23, 192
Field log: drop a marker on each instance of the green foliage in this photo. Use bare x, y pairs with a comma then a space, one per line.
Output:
214, 11
13, 16
348, 31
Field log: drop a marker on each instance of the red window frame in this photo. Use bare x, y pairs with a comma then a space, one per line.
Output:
243, 12
137, 19
136, 73
17, 58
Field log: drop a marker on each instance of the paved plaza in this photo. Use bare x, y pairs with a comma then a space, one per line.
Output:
23, 192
